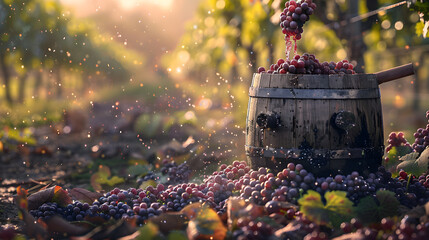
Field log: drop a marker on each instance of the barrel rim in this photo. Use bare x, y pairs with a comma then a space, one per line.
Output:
309, 81
313, 93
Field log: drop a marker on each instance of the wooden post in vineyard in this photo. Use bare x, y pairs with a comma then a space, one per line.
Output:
355, 44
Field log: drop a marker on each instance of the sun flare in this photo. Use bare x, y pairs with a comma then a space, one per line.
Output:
128, 4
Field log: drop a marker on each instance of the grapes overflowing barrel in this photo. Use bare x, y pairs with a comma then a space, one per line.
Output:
328, 123
320, 114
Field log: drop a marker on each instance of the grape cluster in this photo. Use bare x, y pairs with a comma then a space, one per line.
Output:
254, 225
72, 212
308, 64
292, 20
47, 210
294, 15
252, 229
176, 173
395, 140
357, 187
259, 187
424, 180
388, 228
409, 190
421, 137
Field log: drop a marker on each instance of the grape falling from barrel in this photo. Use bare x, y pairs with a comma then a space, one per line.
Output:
292, 20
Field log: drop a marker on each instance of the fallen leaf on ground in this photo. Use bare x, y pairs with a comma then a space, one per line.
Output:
84, 195
53, 194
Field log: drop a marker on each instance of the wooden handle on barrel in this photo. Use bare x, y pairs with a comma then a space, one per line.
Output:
395, 73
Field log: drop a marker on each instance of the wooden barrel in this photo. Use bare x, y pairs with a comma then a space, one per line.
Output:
329, 123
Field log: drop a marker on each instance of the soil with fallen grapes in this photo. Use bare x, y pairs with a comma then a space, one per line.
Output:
153, 187
69, 153
230, 201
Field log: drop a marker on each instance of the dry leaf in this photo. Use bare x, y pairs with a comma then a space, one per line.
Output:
84, 195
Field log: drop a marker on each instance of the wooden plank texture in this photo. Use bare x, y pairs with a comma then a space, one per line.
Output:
312, 120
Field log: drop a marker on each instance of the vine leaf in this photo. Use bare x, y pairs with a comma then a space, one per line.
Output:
148, 183
338, 207
415, 164
171, 221
369, 211
137, 170
58, 225
148, 231
22, 197
177, 235
410, 157
206, 225
234, 205
102, 177
389, 204
33, 228
394, 156
84, 195
53, 194
423, 160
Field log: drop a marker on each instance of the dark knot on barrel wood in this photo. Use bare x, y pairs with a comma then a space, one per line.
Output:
268, 120
344, 120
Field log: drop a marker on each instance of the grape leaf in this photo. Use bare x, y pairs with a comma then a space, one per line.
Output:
338, 207
170, 221
59, 226
84, 195
388, 203
102, 177
415, 164
206, 225
368, 211
147, 183
410, 167
410, 157
234, 205
148, 232
148, 124
137, 170
112, 181
177, 235
423, 160
22, 197
394, 155
53, 194
312, 206
32, 228
61, 196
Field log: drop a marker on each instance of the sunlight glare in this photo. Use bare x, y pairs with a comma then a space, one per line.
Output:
129, 4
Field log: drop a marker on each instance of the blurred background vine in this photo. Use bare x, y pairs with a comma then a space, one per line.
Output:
60, 54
